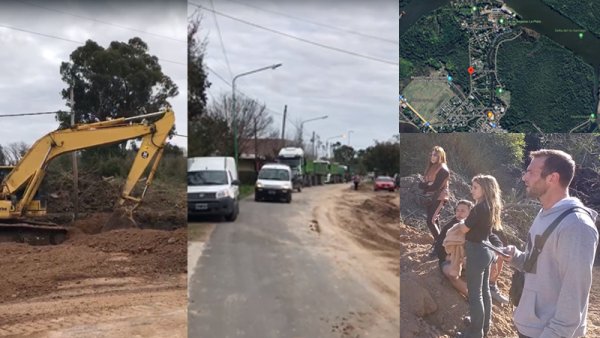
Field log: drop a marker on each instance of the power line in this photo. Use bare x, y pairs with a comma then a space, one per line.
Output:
27, 114
243, 94
219, 76
102, 22
70, 40
372, 58
180, 135
229, 84
221, 40
318, 23
41, 34
175, 62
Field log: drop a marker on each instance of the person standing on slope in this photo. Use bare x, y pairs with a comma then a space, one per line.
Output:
555, 297
435, 186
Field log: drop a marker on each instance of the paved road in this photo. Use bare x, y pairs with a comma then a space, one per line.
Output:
259, 278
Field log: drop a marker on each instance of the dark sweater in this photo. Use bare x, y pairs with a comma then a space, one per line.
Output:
479, 222
440, 178
439, 243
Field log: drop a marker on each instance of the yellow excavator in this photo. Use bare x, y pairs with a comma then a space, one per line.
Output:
19, 184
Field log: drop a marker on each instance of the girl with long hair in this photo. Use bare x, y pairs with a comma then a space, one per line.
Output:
484, 217
435, 186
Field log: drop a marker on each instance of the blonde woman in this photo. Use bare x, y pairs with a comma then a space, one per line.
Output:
484, 217
435, 185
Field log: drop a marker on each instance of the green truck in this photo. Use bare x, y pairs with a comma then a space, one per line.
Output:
307, 172
316, 172
337, 173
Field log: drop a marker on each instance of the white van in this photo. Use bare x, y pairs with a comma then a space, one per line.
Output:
274, 182
213, 187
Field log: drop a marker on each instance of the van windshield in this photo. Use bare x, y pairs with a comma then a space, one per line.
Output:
274, 174
207, 177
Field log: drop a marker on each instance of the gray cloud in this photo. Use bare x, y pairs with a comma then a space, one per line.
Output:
29, 63
357, 94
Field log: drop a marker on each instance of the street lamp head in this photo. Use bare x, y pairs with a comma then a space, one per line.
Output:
277, 65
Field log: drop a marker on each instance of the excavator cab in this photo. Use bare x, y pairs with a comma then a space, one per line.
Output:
36, 206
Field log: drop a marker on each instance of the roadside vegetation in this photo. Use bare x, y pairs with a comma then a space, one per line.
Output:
246, 190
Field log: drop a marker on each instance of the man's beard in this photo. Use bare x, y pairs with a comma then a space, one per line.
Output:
536, 191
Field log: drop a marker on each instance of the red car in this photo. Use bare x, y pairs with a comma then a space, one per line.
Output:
385, 183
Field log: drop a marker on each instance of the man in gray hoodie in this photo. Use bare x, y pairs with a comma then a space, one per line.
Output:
555, 296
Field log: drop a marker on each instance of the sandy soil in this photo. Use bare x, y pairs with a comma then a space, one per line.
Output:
429, 305
360, 231
128, 282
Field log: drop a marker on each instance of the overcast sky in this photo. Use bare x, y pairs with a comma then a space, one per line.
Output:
29, 64
355, 93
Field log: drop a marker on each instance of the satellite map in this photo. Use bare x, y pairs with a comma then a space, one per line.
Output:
500, 66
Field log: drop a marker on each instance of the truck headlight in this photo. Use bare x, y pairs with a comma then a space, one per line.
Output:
222, 194
287, 187
258, 185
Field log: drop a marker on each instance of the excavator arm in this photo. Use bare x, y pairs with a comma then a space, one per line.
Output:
28, 174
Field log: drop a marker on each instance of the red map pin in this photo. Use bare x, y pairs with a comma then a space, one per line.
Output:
471, 70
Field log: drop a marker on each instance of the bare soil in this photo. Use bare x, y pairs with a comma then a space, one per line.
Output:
126, 283
429, 305
359, 229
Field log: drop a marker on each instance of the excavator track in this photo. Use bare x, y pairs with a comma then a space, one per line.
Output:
33, 233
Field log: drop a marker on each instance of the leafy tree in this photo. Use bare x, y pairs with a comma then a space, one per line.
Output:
210, 135
119, 81
122, 80
344, 154
383, 158
197, 76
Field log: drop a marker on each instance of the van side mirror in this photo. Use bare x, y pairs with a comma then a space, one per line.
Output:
236, 182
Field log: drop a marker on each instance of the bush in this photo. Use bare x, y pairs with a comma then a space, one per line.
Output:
248, 177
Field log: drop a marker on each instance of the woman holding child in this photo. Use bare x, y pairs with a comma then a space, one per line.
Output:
478, 226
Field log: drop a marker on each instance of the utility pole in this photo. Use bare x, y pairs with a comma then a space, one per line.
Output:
312, 140
283, 126
74, 157
255, 147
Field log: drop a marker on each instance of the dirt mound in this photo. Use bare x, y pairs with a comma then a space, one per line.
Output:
411, 209
91, 224
164, 206
95, 194
429, 305
371, 220
30, 271
383, 206
375, 223
134, 241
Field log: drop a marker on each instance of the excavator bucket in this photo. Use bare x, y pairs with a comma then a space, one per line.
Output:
120, 219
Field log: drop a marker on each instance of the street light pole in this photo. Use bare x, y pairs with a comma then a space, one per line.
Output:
234, 112
309, 120
329, 146
349, 131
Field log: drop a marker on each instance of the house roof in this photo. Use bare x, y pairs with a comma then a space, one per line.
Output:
266, 148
